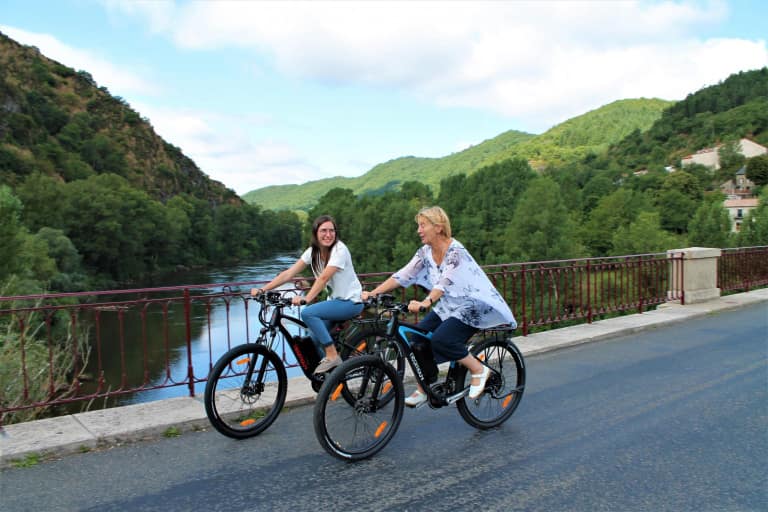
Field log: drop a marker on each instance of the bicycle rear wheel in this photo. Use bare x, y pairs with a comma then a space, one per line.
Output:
504, 388
359, 429
239, 399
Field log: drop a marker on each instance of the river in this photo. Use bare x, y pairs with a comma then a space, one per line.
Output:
132, 367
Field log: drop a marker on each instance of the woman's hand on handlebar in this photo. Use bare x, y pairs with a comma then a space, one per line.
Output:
299, 300
417, 306
255, 292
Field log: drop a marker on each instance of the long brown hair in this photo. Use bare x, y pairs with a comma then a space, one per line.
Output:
318, 261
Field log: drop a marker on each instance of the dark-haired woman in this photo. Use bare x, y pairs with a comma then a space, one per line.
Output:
331, 263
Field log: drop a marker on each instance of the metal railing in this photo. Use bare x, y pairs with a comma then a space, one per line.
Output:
551, 293
99, 349
742, 269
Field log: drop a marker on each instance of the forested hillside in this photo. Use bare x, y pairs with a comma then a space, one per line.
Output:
91, 196
735, 108
594, 205
568, 141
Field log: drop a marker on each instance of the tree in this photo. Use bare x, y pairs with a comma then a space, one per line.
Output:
43, 197
710, 225
757, 170
21, 254
595, 189
730, 157
675, 209
11, 232
754, 229
643, 235
612, 211
685, 183
113, 225
541, 227
481, 206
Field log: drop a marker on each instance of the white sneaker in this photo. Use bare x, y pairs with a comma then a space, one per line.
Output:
417, 398
327, 365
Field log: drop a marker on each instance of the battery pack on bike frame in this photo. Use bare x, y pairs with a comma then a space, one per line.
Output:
422, 349
306, 352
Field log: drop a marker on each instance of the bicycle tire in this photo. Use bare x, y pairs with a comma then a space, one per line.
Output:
361, 429
374, 342
241, 407
504, 388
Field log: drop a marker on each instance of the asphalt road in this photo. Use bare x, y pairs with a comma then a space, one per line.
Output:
673, 419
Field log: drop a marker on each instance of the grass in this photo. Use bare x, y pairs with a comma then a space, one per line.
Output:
29, 460
172, 432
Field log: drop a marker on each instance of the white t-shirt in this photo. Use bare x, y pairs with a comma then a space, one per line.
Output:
343, 284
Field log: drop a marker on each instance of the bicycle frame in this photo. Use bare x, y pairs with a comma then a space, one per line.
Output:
241, 400
339, 331
364, 421
269, 331
398, 331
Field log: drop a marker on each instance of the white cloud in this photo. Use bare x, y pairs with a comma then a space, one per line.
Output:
223, 148
538, 62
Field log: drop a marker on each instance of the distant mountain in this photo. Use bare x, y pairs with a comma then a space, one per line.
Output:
57, 120
594, 131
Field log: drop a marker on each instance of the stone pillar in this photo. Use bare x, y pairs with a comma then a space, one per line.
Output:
699, 279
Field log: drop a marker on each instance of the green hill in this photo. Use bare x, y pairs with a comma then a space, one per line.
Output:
594, 131
91, 195
58, 121
734, 108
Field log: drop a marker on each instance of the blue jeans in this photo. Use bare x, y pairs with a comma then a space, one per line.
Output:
320, 315
449, 337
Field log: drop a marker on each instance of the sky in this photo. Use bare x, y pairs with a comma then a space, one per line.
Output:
263, 93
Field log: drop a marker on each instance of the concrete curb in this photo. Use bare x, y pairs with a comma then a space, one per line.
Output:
78, 433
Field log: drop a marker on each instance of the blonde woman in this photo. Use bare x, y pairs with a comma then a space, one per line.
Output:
461, 297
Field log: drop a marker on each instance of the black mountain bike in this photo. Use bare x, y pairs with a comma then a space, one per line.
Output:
365, 420
247, 386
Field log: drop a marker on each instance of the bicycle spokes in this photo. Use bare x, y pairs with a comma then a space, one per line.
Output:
245, 391
503, 390
359, 408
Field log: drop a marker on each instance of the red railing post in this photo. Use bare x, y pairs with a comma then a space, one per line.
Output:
188, 326
522, 287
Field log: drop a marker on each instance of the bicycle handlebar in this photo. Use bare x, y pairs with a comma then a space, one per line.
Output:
385, 300
388, 302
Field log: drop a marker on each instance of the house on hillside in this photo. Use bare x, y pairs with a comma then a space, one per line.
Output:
709, 157
739, 187
738, 210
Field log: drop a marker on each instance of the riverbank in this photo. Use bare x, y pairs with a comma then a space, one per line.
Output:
40, 440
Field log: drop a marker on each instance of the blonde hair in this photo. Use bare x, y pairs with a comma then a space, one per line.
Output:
437, 216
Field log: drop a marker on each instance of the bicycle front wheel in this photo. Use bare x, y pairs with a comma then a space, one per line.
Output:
374, 342
504, 388
360, 428
245, 391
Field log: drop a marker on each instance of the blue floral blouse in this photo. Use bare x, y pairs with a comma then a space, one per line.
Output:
468, 294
